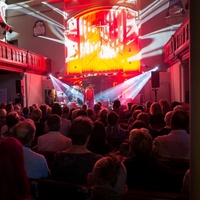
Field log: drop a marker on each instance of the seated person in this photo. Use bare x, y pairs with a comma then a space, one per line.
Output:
176, 144
186, 189
107, 179
35, 164
98, 140
36, 116
115, 134
74, 164
143, 170
14, 182
53, 140
12, 119
118, 108
167, 128
65, 123
156, 116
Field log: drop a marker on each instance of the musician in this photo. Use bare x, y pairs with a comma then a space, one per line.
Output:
89, 96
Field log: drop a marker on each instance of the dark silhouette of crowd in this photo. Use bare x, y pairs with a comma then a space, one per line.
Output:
65, 143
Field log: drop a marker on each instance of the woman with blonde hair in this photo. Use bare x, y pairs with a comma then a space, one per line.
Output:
143, 169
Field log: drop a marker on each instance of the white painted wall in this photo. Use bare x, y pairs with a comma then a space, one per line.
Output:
33, 87
175, 82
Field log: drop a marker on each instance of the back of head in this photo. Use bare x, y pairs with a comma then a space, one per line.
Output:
65, 109
80, 130
81, 113
103, 113
26, 110
36, 114
148, 104
12, 119
129, 105
54, 122
10, 152
56, 109
140, 142
179, 120
135, 113
2, 113
17, 108
112, 118
84, 107
183, 107
139, 107
155, 109
98, 134
138, 124
109, 171
97, 107
43, 108
14, 181
143, 116
90, 112
167, 118
116, 104
9, 107
100, 104
174, 104
164, 105
3, 105
25, 132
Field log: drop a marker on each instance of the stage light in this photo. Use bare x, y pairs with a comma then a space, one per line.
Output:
128, 89
67, 93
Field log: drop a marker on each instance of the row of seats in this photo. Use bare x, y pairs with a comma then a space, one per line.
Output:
44, 189
175, 167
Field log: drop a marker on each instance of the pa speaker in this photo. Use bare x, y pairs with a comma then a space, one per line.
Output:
155, 79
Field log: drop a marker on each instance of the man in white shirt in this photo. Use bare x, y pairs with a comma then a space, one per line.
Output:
53, 140
176, 144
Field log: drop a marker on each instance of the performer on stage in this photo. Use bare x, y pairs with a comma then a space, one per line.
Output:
89, 96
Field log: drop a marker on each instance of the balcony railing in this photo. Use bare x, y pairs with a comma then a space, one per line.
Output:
178, 45
16, 59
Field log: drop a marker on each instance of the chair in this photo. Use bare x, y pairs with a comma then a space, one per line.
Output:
49, 155
46, 189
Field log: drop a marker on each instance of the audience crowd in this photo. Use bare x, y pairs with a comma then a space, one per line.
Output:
109, 149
